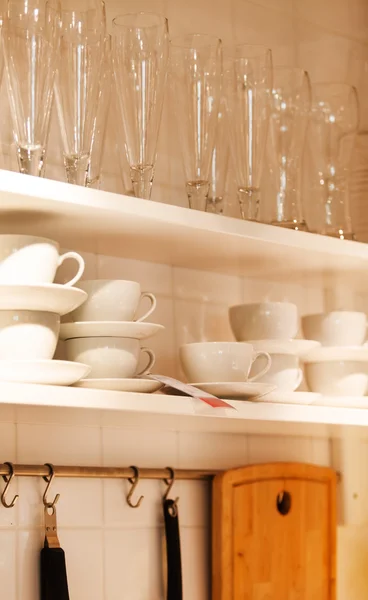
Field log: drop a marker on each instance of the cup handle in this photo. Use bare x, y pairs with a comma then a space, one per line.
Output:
152, 307
79, 260
299, 379
267, 367
150, 364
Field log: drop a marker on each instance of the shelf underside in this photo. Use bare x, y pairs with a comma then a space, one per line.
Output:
112, 224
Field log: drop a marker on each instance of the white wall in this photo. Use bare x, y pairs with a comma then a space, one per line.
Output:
114, 551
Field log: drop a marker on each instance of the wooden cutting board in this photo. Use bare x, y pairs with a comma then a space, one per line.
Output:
274, 533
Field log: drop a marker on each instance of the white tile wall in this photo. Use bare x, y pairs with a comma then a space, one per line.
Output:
112, 550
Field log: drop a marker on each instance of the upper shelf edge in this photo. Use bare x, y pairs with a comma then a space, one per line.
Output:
112, 224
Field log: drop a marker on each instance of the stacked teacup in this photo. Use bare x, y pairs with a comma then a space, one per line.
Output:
272, 328
340, 366
103, 334
30, 309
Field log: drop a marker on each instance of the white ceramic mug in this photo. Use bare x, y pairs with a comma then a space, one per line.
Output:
28, 334
336, 328
285, 372
109, 357
208, 362
338, 378
111, 300
264, 321
29, 260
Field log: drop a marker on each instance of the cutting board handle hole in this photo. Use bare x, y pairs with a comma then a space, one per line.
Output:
283, 503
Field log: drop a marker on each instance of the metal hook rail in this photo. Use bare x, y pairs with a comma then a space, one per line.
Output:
102, 472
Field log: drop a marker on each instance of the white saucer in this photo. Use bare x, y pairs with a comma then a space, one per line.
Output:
328, 353
50, 297
302, 398
235, 390
143, 386
48, 372
300, 348
129, 329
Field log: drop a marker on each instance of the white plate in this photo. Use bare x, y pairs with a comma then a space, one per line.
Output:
129, 329
301, 398
343, 401
143, 386
328, 353
50, 297
300, 348
48, 372
235, 390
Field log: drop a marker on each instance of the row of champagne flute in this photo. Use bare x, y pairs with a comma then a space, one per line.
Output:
223, 99
280, 128
63, 52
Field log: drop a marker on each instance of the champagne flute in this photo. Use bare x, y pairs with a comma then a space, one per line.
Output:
31, 38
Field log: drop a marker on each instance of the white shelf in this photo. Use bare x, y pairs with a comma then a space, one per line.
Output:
117, 225
183, 414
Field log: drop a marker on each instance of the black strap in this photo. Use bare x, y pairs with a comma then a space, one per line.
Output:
173, 555
54, 581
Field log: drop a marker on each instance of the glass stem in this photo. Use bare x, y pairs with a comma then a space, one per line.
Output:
76, 167
249, 199
142, 179
31, 161
197, 192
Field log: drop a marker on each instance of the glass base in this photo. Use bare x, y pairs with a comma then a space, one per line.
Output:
94, 183
249, 200
76, 168
215, 205
296, 225
197, 192
31, 160
142, 179
342, 235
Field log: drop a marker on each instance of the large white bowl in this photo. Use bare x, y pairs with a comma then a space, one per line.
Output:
338, 377
264, 321
336, 328
28, 334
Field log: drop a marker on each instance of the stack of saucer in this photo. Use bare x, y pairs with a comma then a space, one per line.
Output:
272, 328
103, 334
30, 309
340, 366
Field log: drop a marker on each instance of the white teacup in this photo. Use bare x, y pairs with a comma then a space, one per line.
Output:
285, 372
111, 300
28, 334
338, 378
264, 321
29, 260
336, 328
208, 362
109, 357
